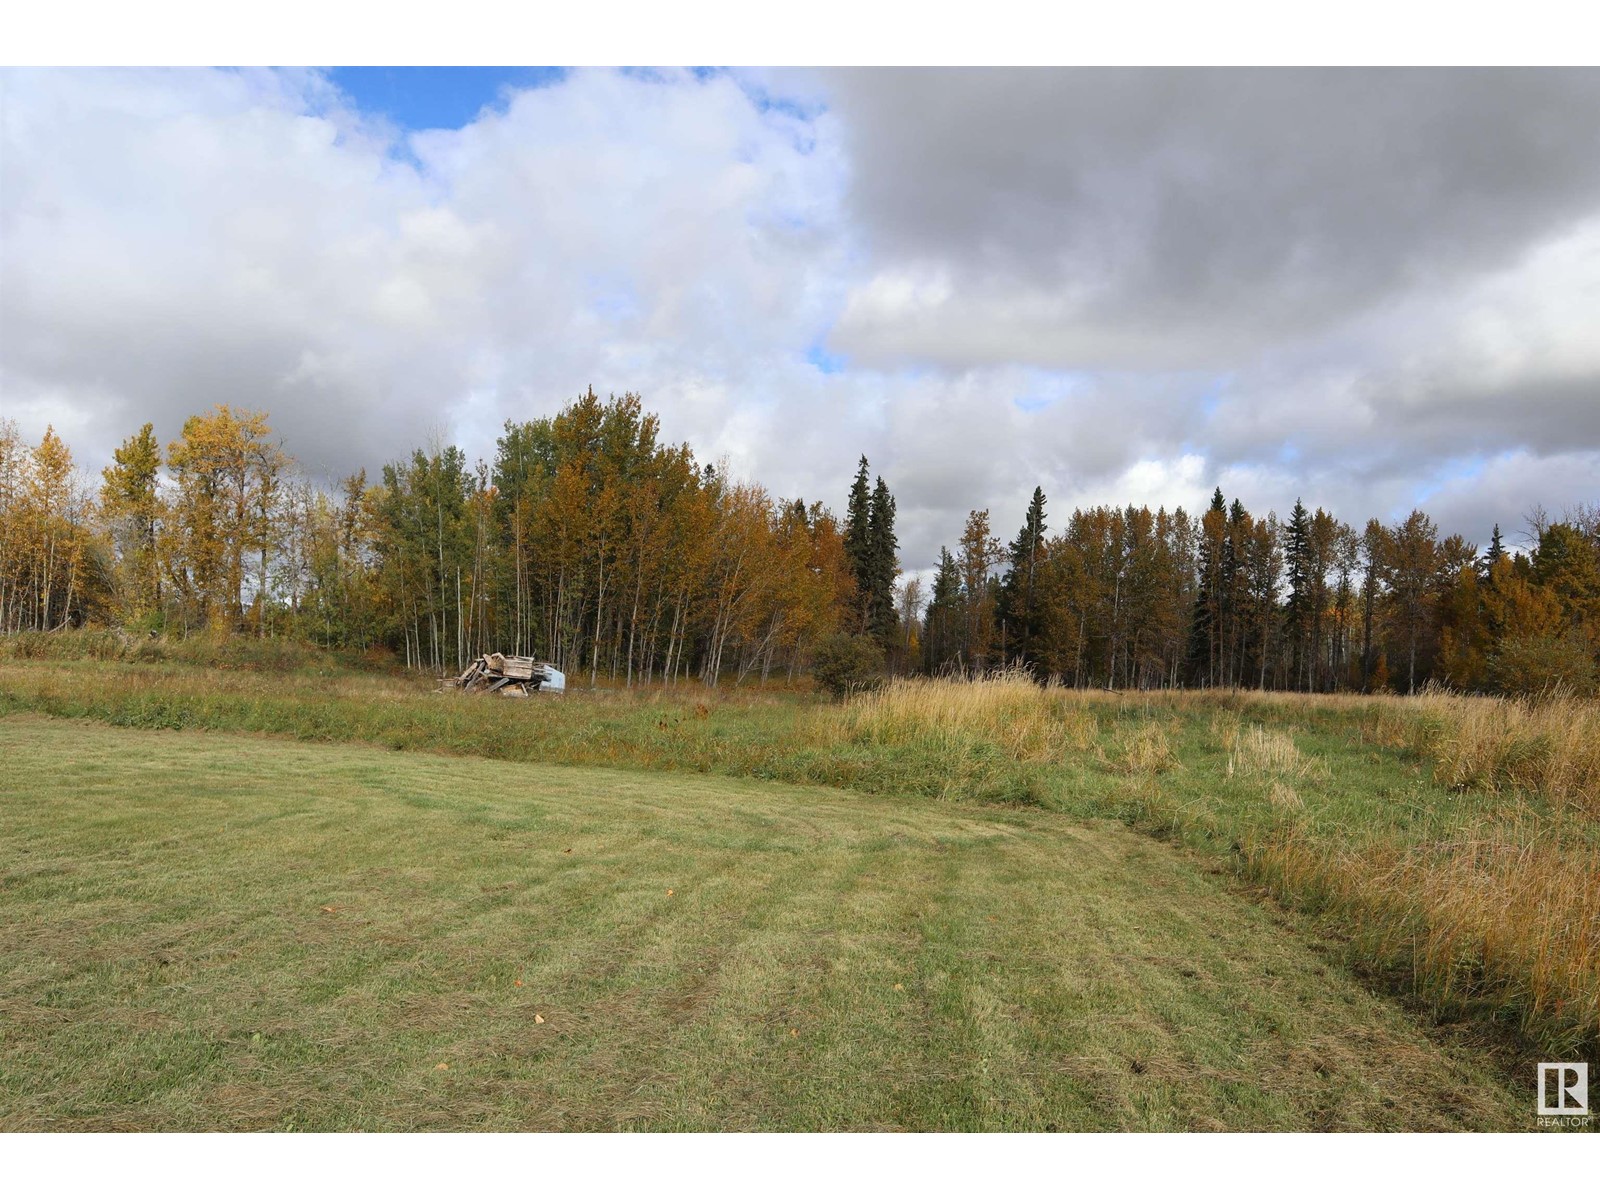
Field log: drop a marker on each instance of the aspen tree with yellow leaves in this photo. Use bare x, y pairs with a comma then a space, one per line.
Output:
227, 476
131, 503
51, 568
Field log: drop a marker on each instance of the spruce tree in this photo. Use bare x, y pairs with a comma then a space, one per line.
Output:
1232, 605
1018, 610
1495, 552
942, 624
858, 545
1297, 610
883, 564
1204, 630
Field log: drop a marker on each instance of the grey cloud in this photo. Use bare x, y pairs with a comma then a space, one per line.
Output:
1164, 217
1506, 488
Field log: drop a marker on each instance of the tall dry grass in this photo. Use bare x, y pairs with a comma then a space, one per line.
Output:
1500, 907
1270, 753
1504, 910
1031, 724
1143, 749
1539, 745
1546, 745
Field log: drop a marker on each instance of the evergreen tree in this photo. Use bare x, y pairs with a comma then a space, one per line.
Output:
1492, 555
1204, 631
1374, 553
883, 565
858, 545
1263, 566
1232, 598
1297, 609
1019, 611
943, 622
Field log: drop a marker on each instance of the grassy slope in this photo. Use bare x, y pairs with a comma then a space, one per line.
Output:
825, 960
1460, 876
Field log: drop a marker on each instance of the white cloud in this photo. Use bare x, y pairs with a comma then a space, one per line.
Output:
1017, 295
177, 239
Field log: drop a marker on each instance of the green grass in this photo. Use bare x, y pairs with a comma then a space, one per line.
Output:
1479, 906
212, 931
742, 735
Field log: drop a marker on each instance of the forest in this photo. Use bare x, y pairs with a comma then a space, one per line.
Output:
590, 541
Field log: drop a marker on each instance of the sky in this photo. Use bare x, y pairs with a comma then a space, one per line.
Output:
1368, 289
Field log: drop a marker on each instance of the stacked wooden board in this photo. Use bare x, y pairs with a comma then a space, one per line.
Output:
509, 675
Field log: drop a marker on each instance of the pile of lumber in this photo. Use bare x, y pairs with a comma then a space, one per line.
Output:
508, 675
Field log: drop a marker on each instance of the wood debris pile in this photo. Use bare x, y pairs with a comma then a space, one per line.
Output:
509, 675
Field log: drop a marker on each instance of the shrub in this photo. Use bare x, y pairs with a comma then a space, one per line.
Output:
847, 663
1526, 666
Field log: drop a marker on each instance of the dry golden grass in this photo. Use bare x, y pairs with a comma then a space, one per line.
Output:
1283, 797
1257, 750
1007, 709
1549, 745
1143, 749
1502, 905
1507, 909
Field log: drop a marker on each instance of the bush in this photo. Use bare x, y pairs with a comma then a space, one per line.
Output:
1528, 666
847, 663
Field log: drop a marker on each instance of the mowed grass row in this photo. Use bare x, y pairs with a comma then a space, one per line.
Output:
208, 931
1454, 839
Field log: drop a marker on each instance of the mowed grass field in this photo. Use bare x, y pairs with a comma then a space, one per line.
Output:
211, 930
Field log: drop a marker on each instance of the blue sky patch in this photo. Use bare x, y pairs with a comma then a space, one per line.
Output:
436, 97
1455, 470
828, 364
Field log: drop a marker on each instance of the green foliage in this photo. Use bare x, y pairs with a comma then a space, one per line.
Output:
943, 623
1568, 564
847, 663
870, 544
1021, 622
1536, 664
131, 505
858, 544
590, 542
883, 565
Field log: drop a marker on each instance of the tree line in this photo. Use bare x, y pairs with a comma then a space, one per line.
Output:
1130, 598
589, 541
